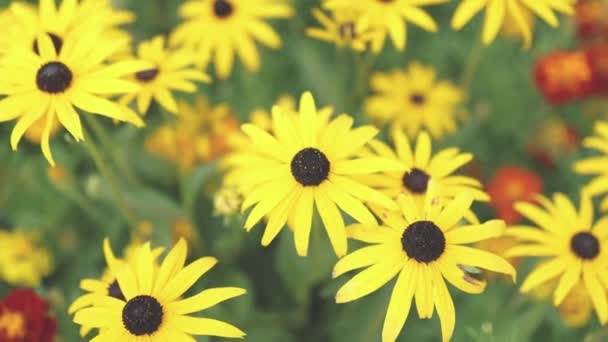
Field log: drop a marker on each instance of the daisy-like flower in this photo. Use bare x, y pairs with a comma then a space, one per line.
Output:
49, 85
413, 99
423, 246
497, 10
387, 17
341, 29
572, 246
218, 29
173, 69
72, 17
306, 162
596, 166
107, 285
152, 308
419, 167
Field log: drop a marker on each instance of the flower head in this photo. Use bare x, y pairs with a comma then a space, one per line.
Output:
22, 261
571, 246
423, 247
219, 29
306, 162
341, 29
24, 317
152, 307
512, 184
414, 100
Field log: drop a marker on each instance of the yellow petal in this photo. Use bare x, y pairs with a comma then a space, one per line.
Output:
400, 303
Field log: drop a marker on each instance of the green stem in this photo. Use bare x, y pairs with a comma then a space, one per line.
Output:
102, 135
187, 203
108, 174
472, 63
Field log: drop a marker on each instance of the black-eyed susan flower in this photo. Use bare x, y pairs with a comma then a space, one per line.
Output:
419, 166
571, 245
306, 162
172, 69
341, 29
596, 166
497, 10
107, 284
387, 18
23, 261
219, 29
423, 246
413, 99
152, 308
51, 84
71, 17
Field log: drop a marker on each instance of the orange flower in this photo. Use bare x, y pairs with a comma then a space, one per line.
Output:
592, 18
509, 185
564, 76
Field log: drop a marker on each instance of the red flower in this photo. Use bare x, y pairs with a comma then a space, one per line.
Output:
24, 318
565, 76
509, 185
592, 18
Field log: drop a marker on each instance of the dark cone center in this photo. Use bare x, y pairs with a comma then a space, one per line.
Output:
585, 245
310, 167
222, 8
57, 43
423, 241
416, 181
115, 291
54, 77
417, 99
142, 315
147, 75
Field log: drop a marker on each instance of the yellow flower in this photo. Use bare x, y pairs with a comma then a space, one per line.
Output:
423, 246
218, 29
497, 10
572, 246
200, 133
414, 100
576, 309
341, 29
22, 261
71, 18
306, 162
227, 201
419, 167
152, 308
596, 166
184, 229
107, 284
49, 85
172, 70
387, 17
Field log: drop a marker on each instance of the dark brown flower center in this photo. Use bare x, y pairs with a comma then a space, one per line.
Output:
54, 77
423, 241
57, 43
222, 8
585, 245
310, 167
115, 291
416, 181
418, 99
142, 315
147, 75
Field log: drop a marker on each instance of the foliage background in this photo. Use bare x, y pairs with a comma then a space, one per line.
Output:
291, 298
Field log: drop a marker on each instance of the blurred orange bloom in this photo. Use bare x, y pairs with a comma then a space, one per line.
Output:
509, 185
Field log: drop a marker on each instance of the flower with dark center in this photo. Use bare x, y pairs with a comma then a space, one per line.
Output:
142, 315
57, 43
423, 241
54, 77
222, 8
416, 181
115, 291
417, 99
585, 245
147, 75
310, 167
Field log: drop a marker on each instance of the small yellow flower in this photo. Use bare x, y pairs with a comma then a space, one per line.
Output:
414, 100
341, 29
498, 10
184, 229
22, 261
219, 29
34, 133
387, 18
576, 309
172, 69
227, 201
